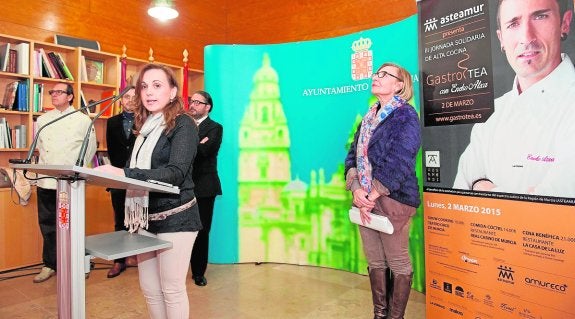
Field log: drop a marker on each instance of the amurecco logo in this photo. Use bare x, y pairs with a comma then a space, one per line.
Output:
534, 282
506, 275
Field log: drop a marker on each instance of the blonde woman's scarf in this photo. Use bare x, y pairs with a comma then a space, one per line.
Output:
368, 124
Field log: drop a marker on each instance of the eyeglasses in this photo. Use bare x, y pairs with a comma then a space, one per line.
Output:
381, 74
196, 102
57, 92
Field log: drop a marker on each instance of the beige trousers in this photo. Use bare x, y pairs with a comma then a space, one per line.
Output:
163, 273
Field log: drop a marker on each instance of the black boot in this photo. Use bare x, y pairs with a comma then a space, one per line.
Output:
401, 291
377, 282
389, 285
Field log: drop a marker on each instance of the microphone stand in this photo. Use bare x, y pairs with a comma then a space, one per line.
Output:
84, 147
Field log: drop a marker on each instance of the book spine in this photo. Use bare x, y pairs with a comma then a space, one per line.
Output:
8, 138
23, 66
12, 61
55, 65
4, 55
49, 71
64, 67
2, 132
24, 136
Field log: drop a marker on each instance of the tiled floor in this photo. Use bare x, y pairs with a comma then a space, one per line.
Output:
233, 291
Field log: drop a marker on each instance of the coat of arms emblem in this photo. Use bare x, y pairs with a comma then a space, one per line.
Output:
361, 59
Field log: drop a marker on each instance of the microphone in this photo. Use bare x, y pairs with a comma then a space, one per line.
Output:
84, 147
28, 158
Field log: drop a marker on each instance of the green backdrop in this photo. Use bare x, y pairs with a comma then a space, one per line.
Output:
289, 111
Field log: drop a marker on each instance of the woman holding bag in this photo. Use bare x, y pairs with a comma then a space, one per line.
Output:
380, 171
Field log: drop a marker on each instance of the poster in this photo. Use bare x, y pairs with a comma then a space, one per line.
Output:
504, 251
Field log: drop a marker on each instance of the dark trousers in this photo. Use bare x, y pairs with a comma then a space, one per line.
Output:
199, 260
118, 200
47, 221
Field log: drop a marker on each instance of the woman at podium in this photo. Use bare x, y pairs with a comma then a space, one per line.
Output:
164, 152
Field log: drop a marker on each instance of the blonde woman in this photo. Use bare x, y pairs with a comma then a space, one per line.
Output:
380, 171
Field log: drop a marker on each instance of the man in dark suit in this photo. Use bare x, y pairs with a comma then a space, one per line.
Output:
120, 140
206, 180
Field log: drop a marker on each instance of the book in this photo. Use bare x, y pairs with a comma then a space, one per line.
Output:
9, 95
5, 132
38, 97
378, 222
4, 55
82, 99
37, 63
21, 103
95, 71
83, 72
23, 51
12, 61
20, 136
64, 67
54, 61
3, 143
48, 70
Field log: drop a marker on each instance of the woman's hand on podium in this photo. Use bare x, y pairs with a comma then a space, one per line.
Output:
110, 170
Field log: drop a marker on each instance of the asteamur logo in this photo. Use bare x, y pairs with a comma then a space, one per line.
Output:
431, 24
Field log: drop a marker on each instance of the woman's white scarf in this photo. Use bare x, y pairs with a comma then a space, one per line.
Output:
136, 208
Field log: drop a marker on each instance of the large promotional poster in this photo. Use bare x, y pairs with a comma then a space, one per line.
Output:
289, 112
498, 90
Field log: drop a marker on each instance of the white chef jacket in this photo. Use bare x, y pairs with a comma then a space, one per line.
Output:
528, 145
60, 142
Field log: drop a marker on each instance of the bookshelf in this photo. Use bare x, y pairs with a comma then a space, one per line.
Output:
22, 241
98, 78
12, 78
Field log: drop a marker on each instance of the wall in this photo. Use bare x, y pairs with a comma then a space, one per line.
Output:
253, 21
114, 23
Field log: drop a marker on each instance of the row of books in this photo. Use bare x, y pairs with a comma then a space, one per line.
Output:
12, 137
14, 57
16, 96
51, 65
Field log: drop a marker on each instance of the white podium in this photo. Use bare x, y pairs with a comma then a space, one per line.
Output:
72, 244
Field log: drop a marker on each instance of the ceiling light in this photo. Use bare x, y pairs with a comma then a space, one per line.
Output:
163, 10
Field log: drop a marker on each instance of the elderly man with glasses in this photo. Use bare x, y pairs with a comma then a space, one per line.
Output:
58, 144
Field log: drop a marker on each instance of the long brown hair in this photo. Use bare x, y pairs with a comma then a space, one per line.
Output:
171, 111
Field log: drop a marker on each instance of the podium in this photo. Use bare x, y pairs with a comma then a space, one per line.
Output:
72, 245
